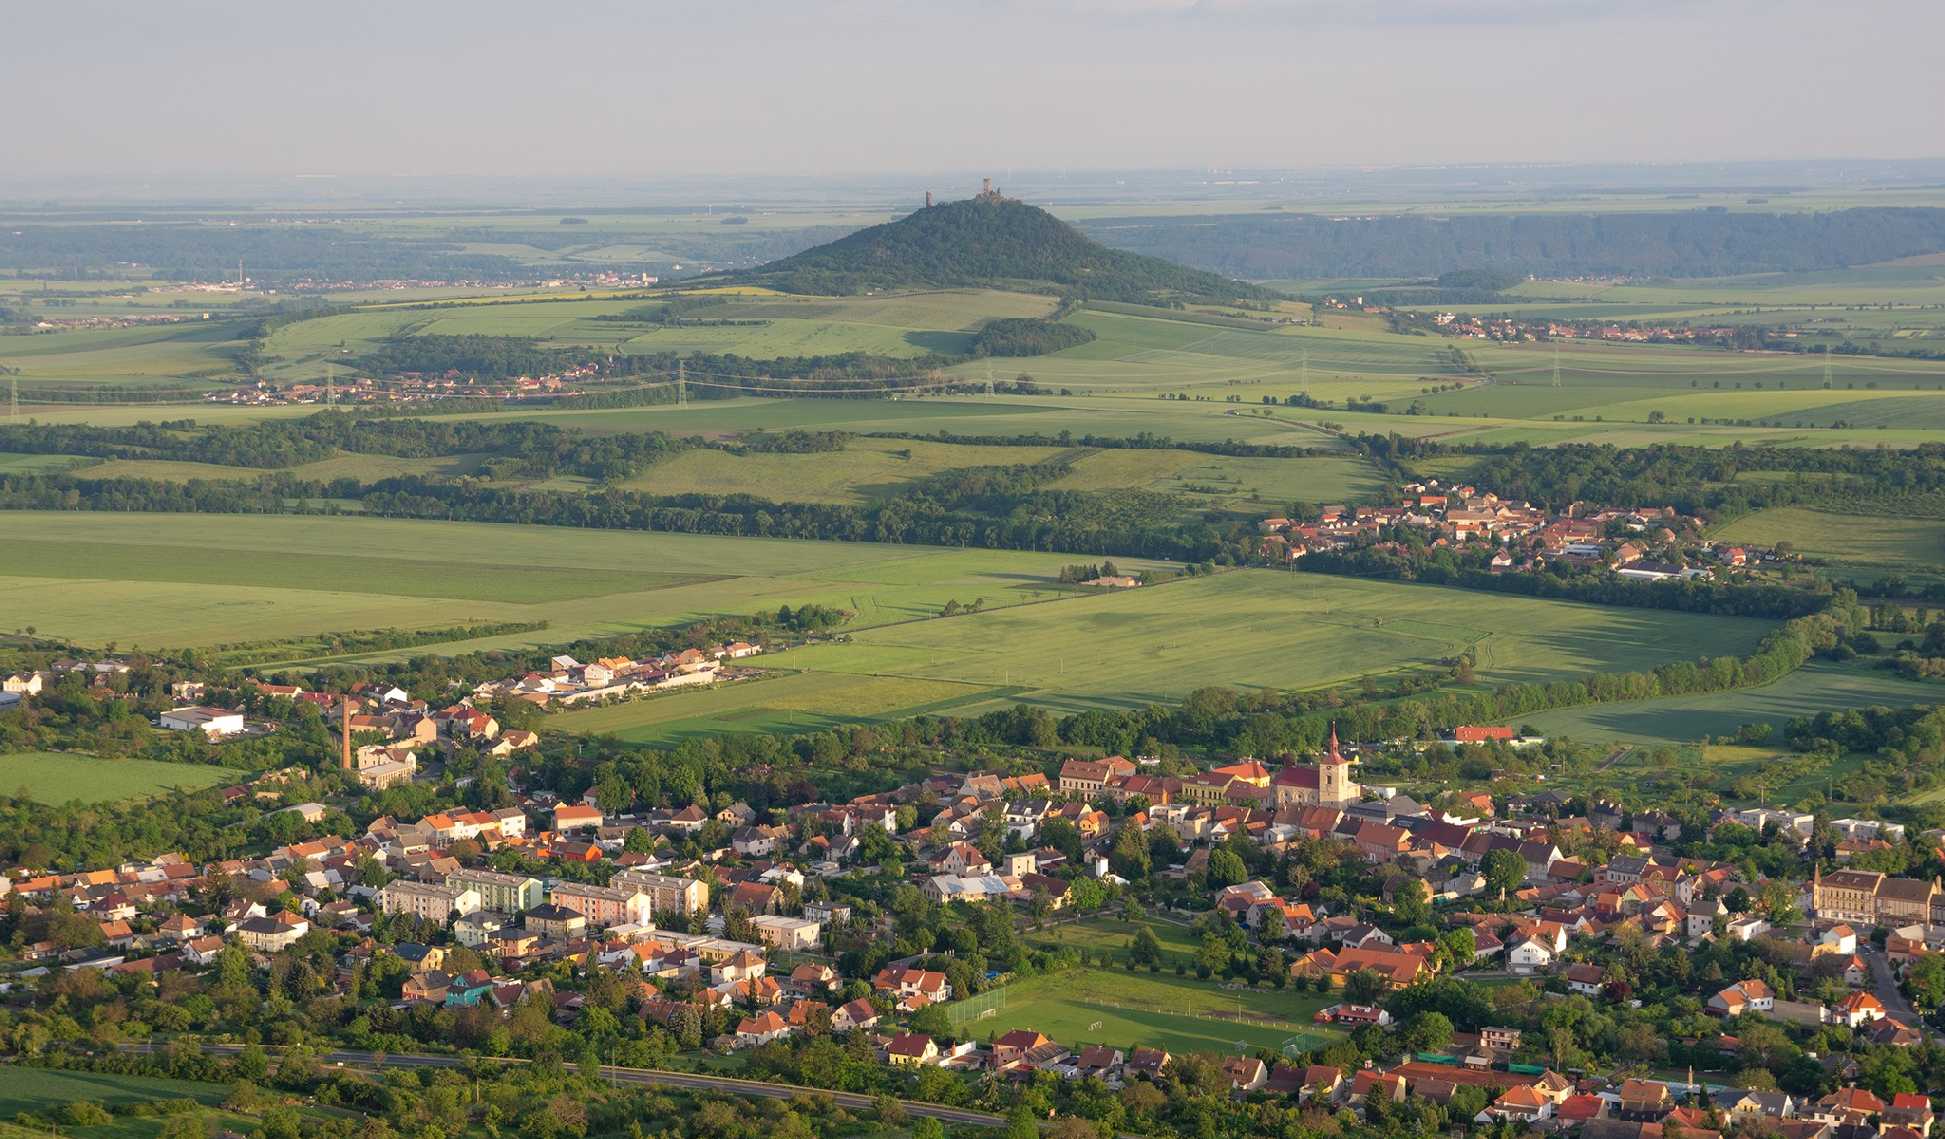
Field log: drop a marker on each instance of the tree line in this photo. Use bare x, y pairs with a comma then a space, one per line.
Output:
518, 446
1144, 441
994, 508
1490, 247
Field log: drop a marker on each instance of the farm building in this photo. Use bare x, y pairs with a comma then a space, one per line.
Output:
212, 722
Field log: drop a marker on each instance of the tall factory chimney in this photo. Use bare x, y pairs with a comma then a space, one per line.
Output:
928, 199
344, 732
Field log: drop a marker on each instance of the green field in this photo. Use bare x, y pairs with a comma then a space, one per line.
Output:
1221, 359
193, 353
781, 702
1247, 629
865, 470
769, 326
1269, 630
1816, 687
1122, 1009
364, 468
1222, 364
44, 1091
871, 469
66, 777
160, 580
27, 464
1857, 542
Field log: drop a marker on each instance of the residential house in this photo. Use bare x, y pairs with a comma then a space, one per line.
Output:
271, 934
1743, 996
912, 1049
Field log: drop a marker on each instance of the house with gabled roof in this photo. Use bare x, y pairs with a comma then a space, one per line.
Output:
912, 1049
1743, 996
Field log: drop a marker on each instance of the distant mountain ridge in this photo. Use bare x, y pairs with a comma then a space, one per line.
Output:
989, 240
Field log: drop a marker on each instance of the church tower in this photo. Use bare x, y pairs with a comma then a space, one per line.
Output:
1335, 787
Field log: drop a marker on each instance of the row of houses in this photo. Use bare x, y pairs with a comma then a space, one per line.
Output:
568, 682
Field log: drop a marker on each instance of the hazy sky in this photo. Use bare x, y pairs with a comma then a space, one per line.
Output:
811, 87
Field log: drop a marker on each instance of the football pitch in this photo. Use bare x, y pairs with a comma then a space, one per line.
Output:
1123, 1009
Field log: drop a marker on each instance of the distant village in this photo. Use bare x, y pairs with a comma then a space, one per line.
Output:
411, 387
1524, 330
1636, 543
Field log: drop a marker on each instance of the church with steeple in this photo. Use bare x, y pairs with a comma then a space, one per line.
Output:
1329, 782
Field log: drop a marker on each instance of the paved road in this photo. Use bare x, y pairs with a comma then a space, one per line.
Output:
655, 1077
1885, 984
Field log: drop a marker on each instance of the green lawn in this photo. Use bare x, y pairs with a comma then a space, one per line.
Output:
1124, 1010
1112, 934
64, 777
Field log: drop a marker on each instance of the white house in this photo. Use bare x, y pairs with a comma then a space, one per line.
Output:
1748, 927
1529, 955
22, 684
1839, 939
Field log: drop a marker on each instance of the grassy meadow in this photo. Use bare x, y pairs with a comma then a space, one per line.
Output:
1112, 934
66, 777
1124, 1009
44, 1091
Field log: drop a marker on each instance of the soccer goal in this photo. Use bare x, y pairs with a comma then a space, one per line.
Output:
990, 1003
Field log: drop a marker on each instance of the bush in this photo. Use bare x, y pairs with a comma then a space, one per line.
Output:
85, 1113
